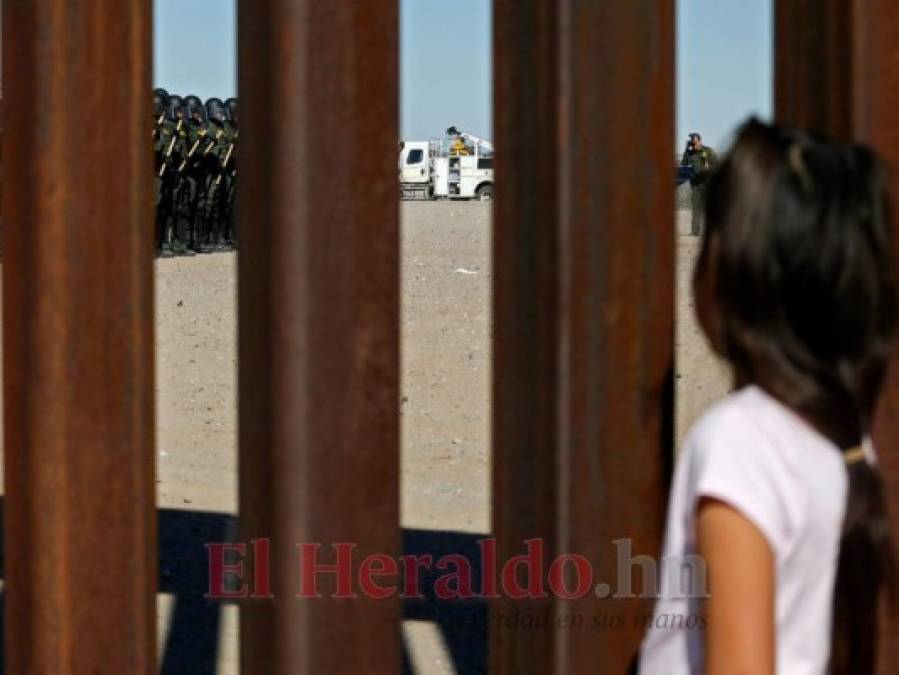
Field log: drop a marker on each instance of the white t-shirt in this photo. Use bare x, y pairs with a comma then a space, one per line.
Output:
754, 453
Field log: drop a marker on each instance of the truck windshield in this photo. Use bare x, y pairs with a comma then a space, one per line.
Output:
415, 156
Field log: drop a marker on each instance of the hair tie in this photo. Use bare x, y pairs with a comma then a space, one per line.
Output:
854, 455
797, 163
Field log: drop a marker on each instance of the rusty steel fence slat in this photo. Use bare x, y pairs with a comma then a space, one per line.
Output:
875, 105
318, 284
837, 72
582, 312
80, 522
813, 78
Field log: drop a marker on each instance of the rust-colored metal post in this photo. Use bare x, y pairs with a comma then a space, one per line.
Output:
875, 106
837, 71
80, 523
813, 83
319, 322
583, 315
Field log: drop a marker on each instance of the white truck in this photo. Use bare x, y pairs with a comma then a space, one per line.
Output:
459, 166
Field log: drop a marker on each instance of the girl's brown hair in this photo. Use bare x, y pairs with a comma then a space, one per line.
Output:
795, 286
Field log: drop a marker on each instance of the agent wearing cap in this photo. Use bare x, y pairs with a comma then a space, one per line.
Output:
701, 159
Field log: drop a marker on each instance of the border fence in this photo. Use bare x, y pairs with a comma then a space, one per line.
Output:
582, 305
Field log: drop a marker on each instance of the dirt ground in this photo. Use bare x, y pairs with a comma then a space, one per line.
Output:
700, 377
445, 419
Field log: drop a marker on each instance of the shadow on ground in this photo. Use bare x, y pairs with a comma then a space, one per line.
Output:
192, 642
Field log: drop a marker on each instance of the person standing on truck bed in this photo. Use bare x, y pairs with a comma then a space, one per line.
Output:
459, 148
701, 159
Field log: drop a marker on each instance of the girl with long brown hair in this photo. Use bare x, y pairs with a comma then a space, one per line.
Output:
777, 502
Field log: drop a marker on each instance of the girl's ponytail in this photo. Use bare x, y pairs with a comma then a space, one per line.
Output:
866, 565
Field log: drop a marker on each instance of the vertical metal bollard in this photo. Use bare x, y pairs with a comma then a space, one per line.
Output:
583, 316
876, 107
813, 80
837, 71
318, 323
80, 523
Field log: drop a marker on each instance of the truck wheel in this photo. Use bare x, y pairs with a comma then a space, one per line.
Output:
484, 193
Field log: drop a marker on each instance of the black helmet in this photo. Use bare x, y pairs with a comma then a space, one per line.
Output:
194, 105
160, 102
176, 105
215, 110
231, 105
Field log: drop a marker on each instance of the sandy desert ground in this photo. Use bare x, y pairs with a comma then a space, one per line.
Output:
445, 423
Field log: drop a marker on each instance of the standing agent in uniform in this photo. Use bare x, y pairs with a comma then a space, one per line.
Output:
702, 159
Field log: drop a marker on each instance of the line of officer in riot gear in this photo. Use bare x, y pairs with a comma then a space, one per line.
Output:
195, 145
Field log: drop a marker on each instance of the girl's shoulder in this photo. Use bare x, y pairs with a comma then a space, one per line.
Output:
734, 425
754, 453
752, 420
